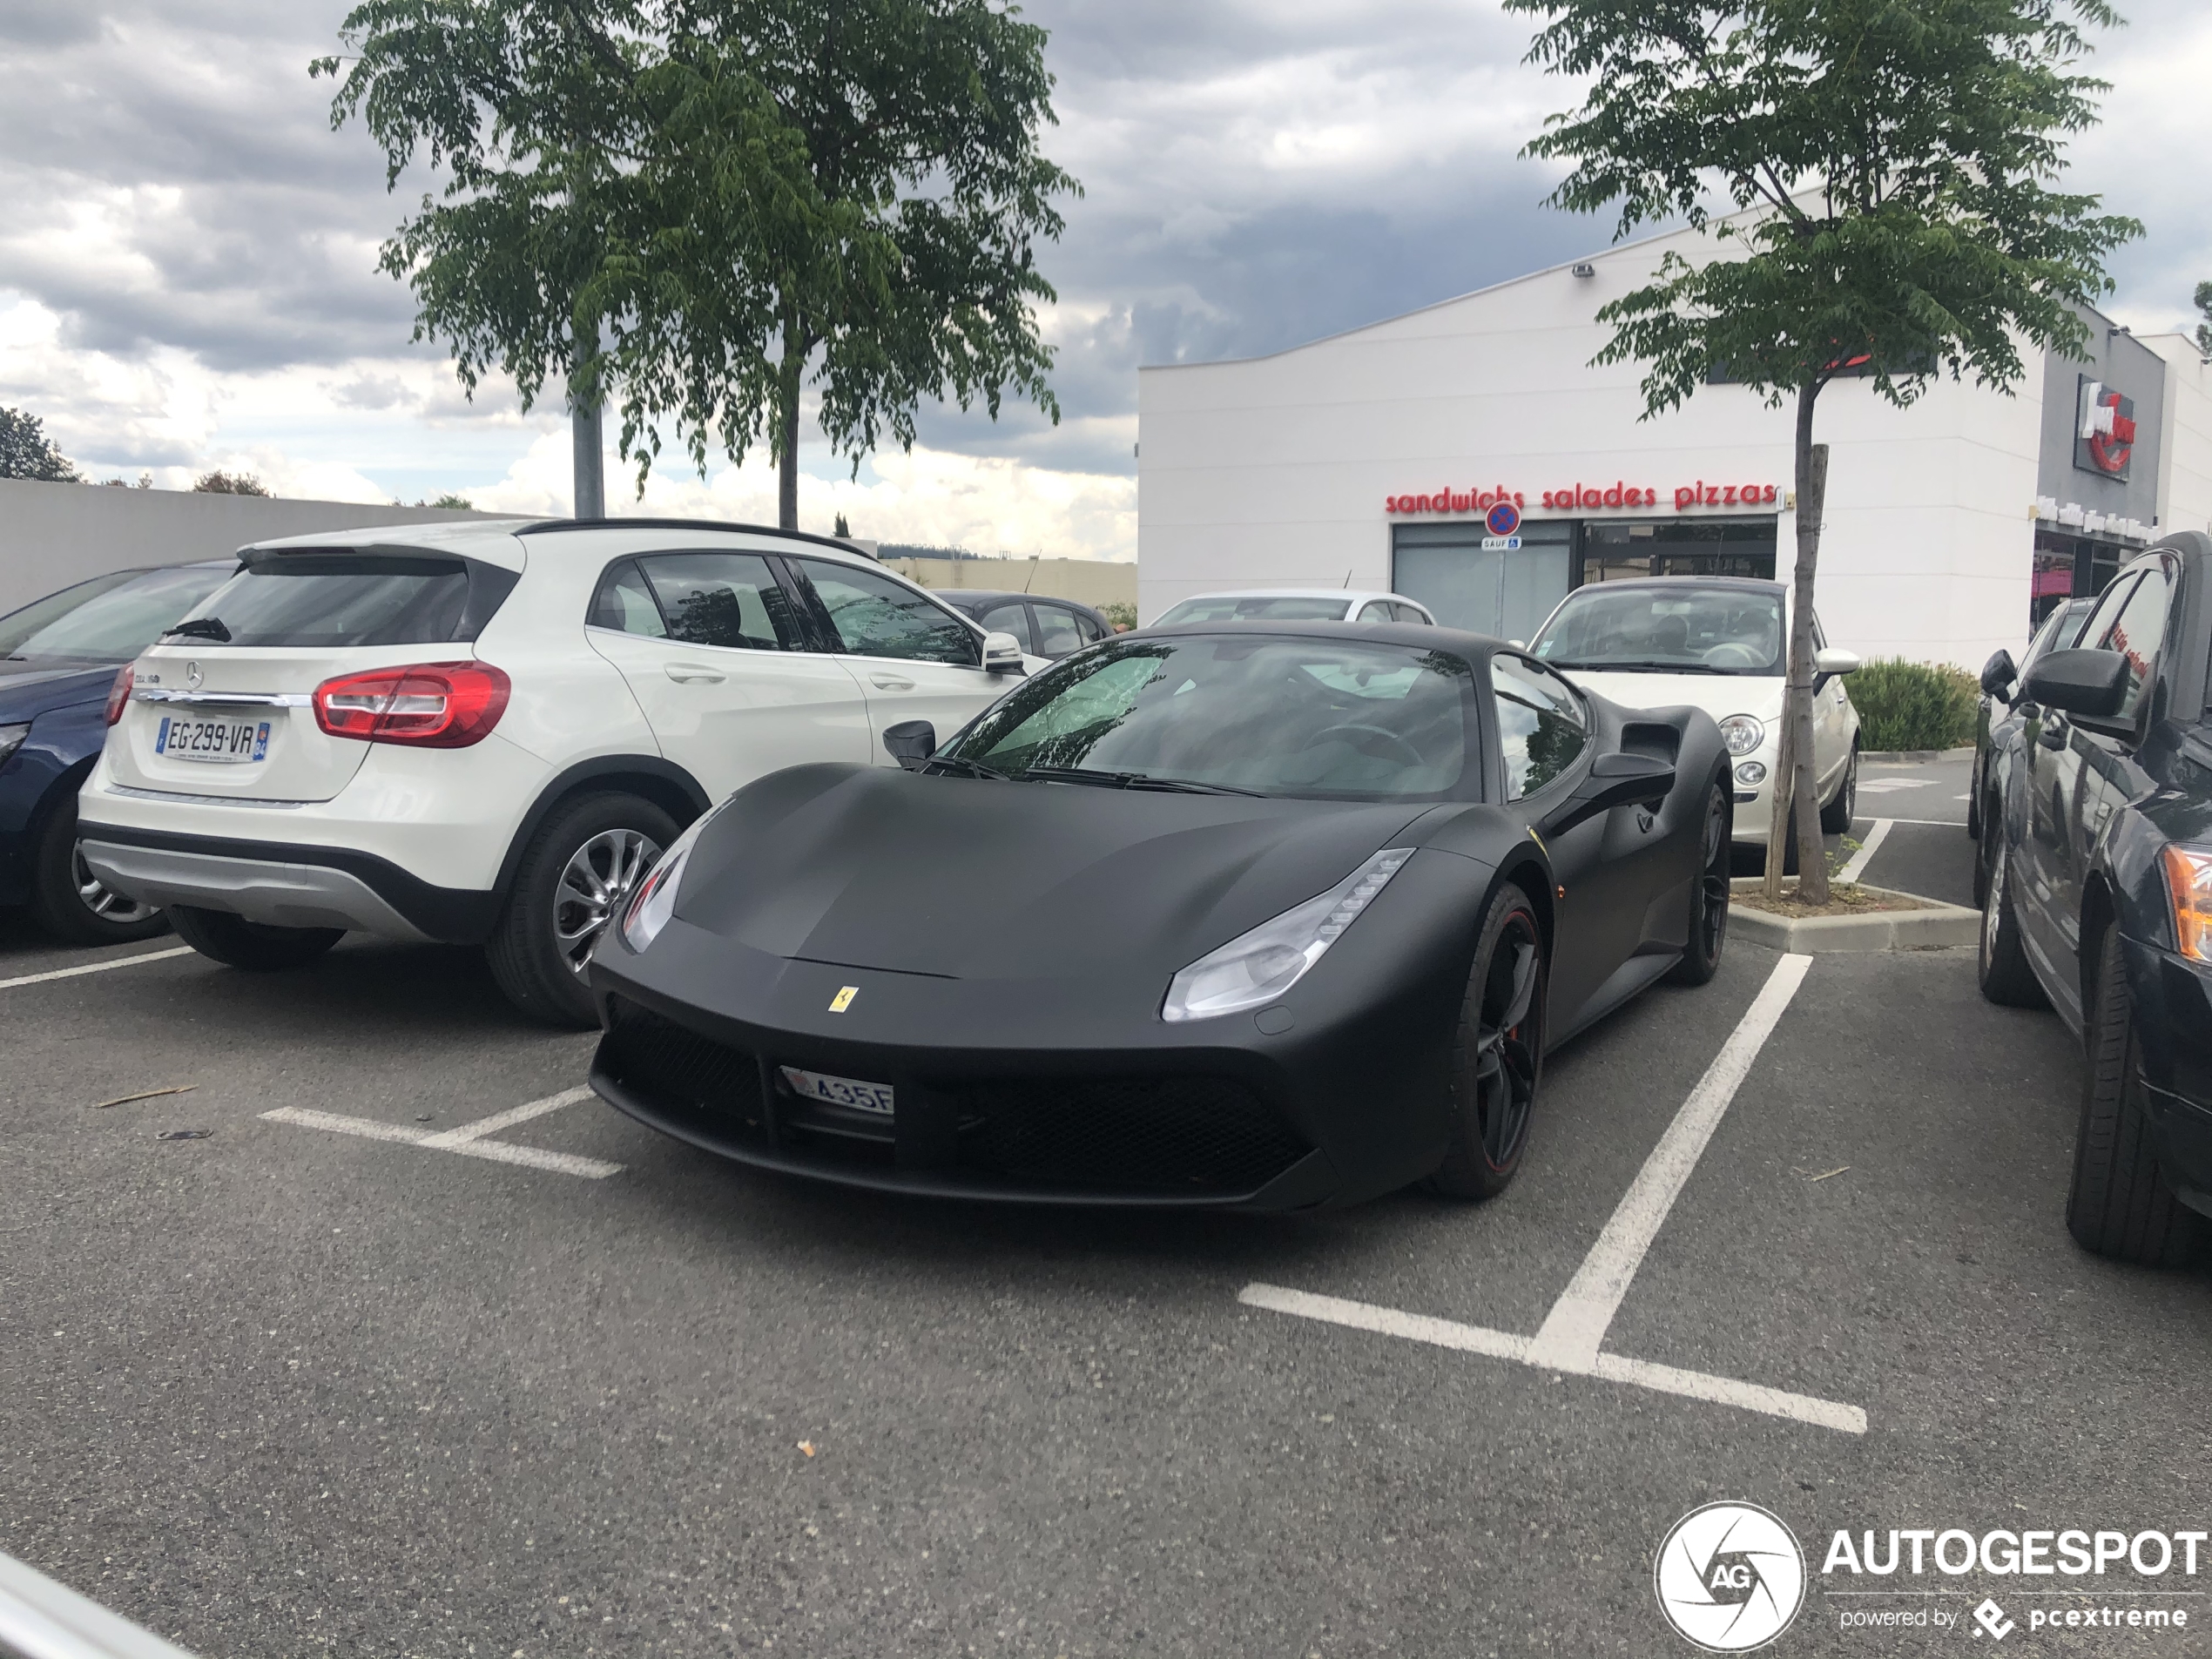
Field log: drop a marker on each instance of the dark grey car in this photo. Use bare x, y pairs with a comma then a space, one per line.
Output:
1046, 627
2001, 719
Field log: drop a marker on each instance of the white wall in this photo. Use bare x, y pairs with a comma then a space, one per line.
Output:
52, 534
1275, 470
2185, 462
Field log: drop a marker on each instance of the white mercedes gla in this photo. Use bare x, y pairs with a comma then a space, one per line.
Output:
485, 733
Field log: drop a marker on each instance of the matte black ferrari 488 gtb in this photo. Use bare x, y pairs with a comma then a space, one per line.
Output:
1257, 915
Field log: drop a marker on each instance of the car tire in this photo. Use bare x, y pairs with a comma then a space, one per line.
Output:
73, 904
253, 946
2001, 959
2120, 1203
1835, 816
1709, 897
1497, 1056
1974, 802
1986, 849
574, 878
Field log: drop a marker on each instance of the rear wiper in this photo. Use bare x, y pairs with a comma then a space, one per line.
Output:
1131, 780
199, 628
964, 768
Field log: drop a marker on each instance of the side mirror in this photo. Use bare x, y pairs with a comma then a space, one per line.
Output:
1518, 645
1998, 675
2089, 683
1001, 654
1613, 780
910, 742
1830, 660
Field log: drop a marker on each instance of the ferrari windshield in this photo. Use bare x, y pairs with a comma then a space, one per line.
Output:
1248, 712
1665, 629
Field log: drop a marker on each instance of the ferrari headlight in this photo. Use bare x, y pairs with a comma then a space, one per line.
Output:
1742, 734
1258, 966
656, 898
2188, 883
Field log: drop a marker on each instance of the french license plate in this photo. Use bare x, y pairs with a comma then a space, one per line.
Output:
232, 740
840, 1091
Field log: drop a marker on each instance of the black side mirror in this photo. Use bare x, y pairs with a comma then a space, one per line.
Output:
1998, 675
2093, 684
1613, 780
910, 742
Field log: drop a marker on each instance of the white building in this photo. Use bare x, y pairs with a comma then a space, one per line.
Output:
1369, 460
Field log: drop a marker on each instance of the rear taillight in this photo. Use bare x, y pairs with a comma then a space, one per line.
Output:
432, 705
118, 695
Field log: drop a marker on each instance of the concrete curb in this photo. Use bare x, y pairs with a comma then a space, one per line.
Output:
1907, 756
1942, 926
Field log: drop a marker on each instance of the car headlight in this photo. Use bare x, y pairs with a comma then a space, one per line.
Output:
11, 739
656, 898
1751, 773
2188, 883
1257, 967
1741, 733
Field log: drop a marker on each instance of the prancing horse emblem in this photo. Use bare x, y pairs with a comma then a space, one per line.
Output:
191, 675
843, 1000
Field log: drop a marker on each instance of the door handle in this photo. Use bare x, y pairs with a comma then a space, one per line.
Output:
684, 673
891, 682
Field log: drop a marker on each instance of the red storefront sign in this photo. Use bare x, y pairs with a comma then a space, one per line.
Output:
1618, 497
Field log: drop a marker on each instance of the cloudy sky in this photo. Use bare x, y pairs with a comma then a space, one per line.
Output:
188, 255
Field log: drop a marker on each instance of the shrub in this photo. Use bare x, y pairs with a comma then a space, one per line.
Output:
1914, 705
1120, 612
220, 482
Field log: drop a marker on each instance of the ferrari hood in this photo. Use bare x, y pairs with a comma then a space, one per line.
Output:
1719, 695
964, 878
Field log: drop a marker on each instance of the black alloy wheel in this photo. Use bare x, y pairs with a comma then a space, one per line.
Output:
1709, 895
1497, 1053
2120, 1204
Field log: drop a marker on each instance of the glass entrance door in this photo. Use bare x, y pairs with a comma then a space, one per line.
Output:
1502, 592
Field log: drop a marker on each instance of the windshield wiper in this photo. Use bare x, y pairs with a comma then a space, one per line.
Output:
199, 628
1131, 780
964, 768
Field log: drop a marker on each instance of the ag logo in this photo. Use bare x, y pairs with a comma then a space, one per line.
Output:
1730, 1577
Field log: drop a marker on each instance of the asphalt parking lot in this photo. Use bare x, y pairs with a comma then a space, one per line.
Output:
373, 1376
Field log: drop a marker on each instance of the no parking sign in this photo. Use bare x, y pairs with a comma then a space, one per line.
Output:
1501, 521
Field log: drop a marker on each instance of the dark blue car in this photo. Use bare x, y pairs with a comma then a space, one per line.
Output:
59, 658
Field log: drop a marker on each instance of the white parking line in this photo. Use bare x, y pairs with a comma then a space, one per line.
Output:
1573, 1332
1876, 785
1875, 837
469, 1139
94, 967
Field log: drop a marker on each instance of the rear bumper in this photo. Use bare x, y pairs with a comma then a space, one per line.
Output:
285, 886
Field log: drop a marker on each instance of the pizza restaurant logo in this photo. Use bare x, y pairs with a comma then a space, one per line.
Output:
2104, 429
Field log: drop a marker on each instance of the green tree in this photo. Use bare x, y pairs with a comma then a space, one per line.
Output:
697, 206
1891, 167
455, 502
27, 452
2204, 310
220, 482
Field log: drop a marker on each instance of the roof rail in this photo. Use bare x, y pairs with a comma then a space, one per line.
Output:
553, 526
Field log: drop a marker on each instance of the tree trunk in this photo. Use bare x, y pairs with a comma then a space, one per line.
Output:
793, 371
1802, 758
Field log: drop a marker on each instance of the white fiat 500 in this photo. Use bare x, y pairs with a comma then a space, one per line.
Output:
1719, 644
485, 733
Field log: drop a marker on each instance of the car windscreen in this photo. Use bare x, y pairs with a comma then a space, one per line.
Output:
1254, 607
1671, 630
111, 618
1267, 714
323, 600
